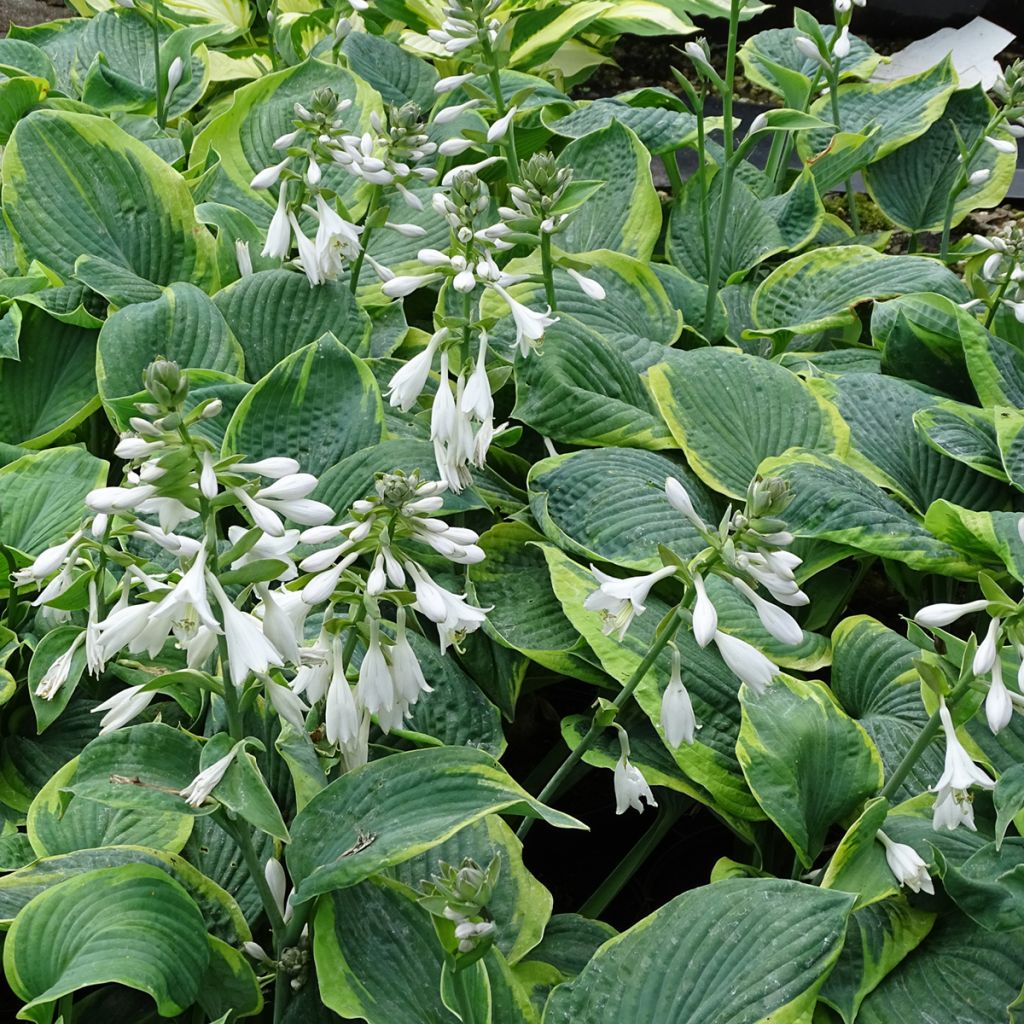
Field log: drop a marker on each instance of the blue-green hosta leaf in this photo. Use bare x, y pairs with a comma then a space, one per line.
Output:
833, 502
136, 908
585, 392
63, 208
520, 905
772, 60
898, 111
887, 448
610, 504
42, 496
755, 228
808, 764
989, 539
919, 335
58, 40
878, 937
912, 184
625, 215
398, 76
52, 388
729, 411
274, 313
960, 973
740, 951
874, 679
23, 57
569, 942
996, 366
393, 809
822, 288
319, 404
220, 911
711, 761
1009, 425
183, 325
660, 130
243, 135
17, 97
378, 957
963, 432
636, 317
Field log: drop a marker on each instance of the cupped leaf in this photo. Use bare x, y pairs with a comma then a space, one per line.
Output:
66, 176
520, 906
132, 925
737, 952
220, 911
274, 313
911, 185
888, 449
963, 432
729, 411
874, 679
833, 502
183, 325
318, 405
42, 496
393, 809
822, 288
610, 504
806, 761
625, 215
52, 389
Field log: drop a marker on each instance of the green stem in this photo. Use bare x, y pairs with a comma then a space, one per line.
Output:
509, 142
702, 172
669, 812
998, 298
239, 831
547, 269
833, 95
13, 609
927, 734
462, 997
65, 1008
947, 217
357, 265
161, 82
232, 705
675, 176
730, 76
666, 633
714, 269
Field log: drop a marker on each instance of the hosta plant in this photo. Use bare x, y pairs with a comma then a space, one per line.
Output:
428, 512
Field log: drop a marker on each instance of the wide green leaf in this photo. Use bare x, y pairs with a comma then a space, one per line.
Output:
131, 925
740, 951
807, 763
730, 411
625, 215
911, 185
318, 405
822, 288
393, 809
66, 179
661, 130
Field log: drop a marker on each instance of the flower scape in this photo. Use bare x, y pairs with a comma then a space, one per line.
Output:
475, 553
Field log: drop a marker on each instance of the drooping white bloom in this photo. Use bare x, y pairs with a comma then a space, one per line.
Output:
269, 175
953, 808
620, 600
679, 499
705, 617
499, 129
745, 662
530, 325
336, 239
406, 672
979, 177
48, 561
110, 500
591, 288
677, 719
342, 720
809, 48
308, 255
935, 616
279, 627
405, 284
279, 234
1001, 145
998, 706
631, 788
59, 671
274, 467
375, 689
197, 791
959, 772
287, 703
455, 147
841, 47
249, 651
406, 386
243, 258
123, 707
776, 620
453, 615
174, 73
907, 865
988, 651
452, 82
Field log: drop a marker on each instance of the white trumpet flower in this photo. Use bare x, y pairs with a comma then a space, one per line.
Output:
620, 600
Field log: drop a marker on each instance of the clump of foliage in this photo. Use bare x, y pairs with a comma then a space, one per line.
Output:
359, 391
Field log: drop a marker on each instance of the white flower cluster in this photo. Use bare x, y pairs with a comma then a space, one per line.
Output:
174, 480
389, 154
1004, 266
466, 25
